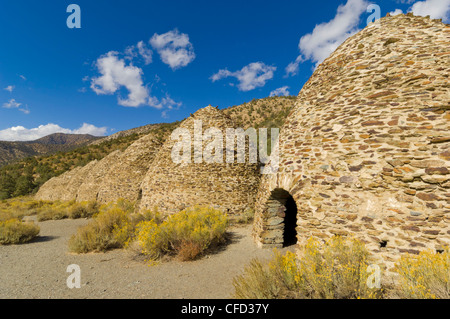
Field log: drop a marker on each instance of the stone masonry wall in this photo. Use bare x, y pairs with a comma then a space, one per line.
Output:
54, 188
89, 189
118, 175
126, 174
172, 187
366, 150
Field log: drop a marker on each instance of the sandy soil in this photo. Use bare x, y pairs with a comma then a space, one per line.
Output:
38, 269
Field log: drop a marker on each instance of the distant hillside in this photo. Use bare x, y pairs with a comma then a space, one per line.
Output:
268, 112
137, 130
27, 175
65, 139
58, 142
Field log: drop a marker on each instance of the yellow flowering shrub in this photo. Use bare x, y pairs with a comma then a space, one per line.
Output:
109, 229
424, 276
18, 207
187, 234
14, 231
123, 204
335, 270
152, 239
153, 214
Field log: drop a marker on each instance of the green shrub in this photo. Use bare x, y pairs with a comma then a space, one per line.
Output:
14, 231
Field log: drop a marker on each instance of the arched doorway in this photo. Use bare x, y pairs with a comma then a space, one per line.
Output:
281, 220
290, 223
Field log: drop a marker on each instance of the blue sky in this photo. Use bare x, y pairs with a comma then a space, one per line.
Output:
138, 62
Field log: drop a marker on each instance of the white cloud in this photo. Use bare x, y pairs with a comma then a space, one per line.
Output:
174, 48
139, 50
24, 110
10, 88
282, 91
250, 77
12, 104
118, 70
20, 133
91, 130
396, 12
221, 75
164, 115
436, 9
114, 75
326, 37
130, 53
292, 68
165, 102
144, 52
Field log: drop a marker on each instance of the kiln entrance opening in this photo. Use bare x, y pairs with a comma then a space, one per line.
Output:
284, 206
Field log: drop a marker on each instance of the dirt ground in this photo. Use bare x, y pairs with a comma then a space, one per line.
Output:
39, 269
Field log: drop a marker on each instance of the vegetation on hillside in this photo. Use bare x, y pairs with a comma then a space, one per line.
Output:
270, 112
13, 151
26, 176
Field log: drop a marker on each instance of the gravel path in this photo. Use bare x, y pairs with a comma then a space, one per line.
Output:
38, 269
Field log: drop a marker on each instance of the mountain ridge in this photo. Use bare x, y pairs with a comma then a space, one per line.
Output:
11, 151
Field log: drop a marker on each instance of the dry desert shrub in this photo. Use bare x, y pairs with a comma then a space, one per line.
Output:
110, 229
187, 234
14, 231
424, 276
46, 210
335, 270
